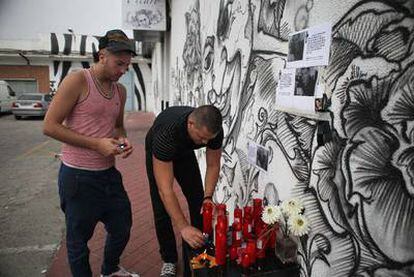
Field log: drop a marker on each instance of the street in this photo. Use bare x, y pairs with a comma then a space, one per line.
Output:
31, 223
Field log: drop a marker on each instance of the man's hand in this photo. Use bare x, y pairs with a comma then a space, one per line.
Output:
192, 236
127, 149
207, 200
107, 146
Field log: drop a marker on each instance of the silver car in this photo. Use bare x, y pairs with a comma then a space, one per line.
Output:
31, 104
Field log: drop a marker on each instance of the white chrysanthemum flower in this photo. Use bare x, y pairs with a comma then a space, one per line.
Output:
298, 225
271, 214
292, 207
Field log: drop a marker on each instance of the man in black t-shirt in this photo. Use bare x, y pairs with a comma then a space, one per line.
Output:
169, 147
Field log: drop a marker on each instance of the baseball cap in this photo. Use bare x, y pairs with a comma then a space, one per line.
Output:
116, 41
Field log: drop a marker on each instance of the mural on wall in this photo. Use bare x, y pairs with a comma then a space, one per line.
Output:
358, 188
71, 44
188, 80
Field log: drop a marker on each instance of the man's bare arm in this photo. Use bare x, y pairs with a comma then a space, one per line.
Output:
213, 170
120, 132
164, 177
119, 124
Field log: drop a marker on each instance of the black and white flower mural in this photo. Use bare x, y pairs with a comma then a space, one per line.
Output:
358, 187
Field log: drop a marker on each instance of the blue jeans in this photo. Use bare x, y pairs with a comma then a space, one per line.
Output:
87, 197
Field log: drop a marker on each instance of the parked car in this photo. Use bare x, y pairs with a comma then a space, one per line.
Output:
31, 104
7, 97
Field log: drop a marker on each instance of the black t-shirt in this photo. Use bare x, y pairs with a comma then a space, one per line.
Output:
168, 138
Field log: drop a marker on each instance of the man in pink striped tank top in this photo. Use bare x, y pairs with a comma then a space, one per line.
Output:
86, 114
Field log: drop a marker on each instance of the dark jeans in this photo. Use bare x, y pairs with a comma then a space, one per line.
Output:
87, 197
187, 174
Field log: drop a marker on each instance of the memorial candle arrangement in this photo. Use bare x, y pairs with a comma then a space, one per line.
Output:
243, 241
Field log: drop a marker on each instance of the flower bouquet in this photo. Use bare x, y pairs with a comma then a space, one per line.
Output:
291, 222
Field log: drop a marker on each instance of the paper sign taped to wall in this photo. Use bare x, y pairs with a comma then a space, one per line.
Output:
309, 47
297, 89
258, 155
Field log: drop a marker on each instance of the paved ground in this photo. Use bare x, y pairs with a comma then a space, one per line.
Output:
141, 254
31, 224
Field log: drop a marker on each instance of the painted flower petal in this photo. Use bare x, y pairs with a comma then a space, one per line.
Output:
290, 141
328, 182
377, 188
364, 105
405, 162
362, 23
394, 42
400, 108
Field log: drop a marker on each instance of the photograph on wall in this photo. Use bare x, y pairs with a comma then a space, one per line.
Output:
309, 47
296, 46
262, 159
305, 81
258, 155
321, 103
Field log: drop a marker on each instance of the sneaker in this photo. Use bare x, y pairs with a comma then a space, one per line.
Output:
168, 270
122, 272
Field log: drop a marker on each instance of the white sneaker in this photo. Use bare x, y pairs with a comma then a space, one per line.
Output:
168, 270
122, 272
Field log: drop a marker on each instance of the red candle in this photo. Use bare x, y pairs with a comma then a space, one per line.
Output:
247, 226
221, 246
245, 260
237, 233
258, 226
222, 223
257, 214
251, 250
221, 209
208, 218
233, 252
248, 210
238, 215
266, 237
257, 206
260, 247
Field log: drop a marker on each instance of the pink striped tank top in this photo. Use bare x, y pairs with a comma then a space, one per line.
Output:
95, 116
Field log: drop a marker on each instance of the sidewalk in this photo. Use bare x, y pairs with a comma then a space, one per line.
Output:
141, 254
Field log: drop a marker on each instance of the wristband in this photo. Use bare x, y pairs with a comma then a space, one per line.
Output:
207, 197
